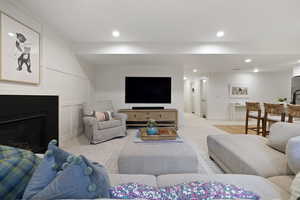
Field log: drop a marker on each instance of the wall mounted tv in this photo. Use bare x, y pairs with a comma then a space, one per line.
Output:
148, 90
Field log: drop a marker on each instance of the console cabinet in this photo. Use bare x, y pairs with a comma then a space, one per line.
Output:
163, 117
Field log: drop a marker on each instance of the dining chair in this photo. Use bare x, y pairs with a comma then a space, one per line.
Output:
273, 113
293, 112
253, 111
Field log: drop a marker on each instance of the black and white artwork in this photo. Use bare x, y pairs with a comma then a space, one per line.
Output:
239, 91
19, 52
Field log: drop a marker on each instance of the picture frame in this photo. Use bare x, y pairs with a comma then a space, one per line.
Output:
238, 91
19, 51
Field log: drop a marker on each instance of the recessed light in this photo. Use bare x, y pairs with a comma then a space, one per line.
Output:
248, 60
185, 78
256, 70
204, 80
11, 34
220, 34
116, 33
195, 70
298, 61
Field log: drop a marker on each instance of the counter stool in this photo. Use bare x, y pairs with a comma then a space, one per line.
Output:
293, 112
253, 111
273, 113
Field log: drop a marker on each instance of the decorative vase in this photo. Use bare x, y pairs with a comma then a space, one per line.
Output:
152, 130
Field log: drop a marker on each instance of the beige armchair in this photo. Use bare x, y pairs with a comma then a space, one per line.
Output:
100, 131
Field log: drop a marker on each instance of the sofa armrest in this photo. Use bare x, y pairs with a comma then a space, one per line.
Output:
90, 127
120, 116
89, 121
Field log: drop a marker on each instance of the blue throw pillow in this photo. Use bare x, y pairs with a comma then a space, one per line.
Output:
47, 170
75, 178
16, 169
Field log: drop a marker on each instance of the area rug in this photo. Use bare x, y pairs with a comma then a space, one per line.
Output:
235, 129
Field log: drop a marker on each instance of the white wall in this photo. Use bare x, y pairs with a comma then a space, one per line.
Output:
188, 96
263, 87
110, 84
61, 74
296, 71
196, 98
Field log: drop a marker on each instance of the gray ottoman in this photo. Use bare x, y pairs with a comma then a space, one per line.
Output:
157, 158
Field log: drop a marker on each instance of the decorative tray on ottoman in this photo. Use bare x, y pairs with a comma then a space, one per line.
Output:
163, 134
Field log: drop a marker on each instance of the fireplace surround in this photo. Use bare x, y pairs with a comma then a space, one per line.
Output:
28, 122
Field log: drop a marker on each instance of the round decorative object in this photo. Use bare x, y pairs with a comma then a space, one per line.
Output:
152, 130
88, 171
54, 167
92, 188
54, 142
77, 160
70, 158
49, 153
65, 165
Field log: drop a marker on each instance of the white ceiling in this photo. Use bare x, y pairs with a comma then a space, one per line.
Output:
203, 63
172, 29
171, 20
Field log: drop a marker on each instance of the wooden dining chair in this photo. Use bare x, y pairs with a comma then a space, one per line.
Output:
293, 112
253, 111
273, 113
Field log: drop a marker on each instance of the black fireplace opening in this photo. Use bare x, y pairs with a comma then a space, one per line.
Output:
28, 122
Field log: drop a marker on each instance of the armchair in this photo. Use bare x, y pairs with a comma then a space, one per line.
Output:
100, 131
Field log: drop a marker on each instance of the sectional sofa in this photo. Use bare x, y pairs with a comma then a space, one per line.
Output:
276, 158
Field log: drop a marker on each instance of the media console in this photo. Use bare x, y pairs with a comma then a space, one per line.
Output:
140, 117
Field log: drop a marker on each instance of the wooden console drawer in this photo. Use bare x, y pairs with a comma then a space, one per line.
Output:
165, 117
136, 116
168, 116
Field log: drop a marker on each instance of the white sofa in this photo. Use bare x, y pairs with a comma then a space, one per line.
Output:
266, 188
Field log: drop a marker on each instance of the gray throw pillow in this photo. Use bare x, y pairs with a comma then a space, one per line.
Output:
88, 111
293, 154
280, 133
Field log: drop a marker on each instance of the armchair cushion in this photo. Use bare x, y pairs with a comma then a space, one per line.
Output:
280, 133
293, 154
109, 124
120, 116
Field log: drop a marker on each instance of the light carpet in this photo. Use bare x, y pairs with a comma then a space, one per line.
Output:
194, 132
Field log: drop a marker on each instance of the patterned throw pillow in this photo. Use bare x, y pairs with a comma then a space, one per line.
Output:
64, 176
192, 190
103, 116
16, 169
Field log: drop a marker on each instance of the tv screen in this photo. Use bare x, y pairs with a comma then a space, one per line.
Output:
148, 90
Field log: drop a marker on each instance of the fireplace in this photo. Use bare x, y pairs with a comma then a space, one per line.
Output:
28, 122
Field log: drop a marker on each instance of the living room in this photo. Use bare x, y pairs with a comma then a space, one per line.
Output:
102, 78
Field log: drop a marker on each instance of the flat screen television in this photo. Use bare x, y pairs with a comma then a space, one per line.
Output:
148, 90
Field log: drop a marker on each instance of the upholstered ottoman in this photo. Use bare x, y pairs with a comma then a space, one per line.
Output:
157, 158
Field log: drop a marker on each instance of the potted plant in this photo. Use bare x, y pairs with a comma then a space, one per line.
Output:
152, 127
282, 100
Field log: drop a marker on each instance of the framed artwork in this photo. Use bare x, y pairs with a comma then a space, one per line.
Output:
238, 91
20, 52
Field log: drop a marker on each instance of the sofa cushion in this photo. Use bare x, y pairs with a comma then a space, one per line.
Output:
247, 154
109, 124
284, 182
280, 133
293, 154
103, 116
261, 186
79, 179
117, 179
295, 188
48, 175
